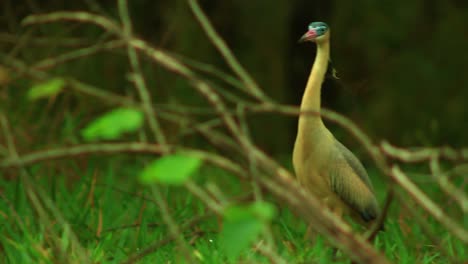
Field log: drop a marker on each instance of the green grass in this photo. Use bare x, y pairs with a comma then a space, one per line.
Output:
118, 220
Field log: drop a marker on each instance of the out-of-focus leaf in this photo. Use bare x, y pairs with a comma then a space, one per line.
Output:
113, 124
172, 169
263, 210
46, 89
242, 225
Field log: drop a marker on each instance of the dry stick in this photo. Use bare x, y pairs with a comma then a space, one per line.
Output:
270, 253
427, 229
379, 223
158, 244
423, 154
450, 190
23, 40
202, 195
115, 148
77, 54
174, 229
253, 170
44, 41
210, 69
76, 85
227, 54
98, 20
422, 199
140, 85
77, 150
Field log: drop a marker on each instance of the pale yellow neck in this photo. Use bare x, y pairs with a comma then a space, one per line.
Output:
311, 98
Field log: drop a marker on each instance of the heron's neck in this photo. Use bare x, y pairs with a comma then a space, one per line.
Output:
312, 93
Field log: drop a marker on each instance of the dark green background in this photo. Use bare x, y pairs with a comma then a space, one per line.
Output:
402, 65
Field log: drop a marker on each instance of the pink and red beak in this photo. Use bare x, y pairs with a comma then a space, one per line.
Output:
308, 36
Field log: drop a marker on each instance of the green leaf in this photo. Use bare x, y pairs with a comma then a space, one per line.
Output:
46, 89
237, 236
172, 169
263, 210
113, 124
242, 225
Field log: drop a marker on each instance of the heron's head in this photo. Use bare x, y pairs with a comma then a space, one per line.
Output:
317, 32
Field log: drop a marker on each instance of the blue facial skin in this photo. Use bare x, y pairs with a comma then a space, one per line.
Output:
319, 27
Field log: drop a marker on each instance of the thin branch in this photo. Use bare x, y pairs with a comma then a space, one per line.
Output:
83, 17
450, 190
78, 150
140, 83
210, 69
174, 229
428, 204
227, 54
134, 258
423, 154
379, 223
78, 86
425, 226
44, 41
270, 253
77, 54
202, 195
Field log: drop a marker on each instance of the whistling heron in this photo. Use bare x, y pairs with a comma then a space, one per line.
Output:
324, 166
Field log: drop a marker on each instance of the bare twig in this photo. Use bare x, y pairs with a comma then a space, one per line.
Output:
423, 154
270, 253
428, 204
22, 69
226, 52
140, 83
45, 41
379, 223
152, 248
427, 229
450, 190
77, 54
83, 17
86, 149
266, 171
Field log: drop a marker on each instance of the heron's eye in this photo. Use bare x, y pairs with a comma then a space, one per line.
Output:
322, 30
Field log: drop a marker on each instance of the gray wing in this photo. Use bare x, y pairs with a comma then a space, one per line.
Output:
349, 180
355, 164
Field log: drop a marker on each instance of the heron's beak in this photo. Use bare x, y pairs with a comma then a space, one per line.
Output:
308, 36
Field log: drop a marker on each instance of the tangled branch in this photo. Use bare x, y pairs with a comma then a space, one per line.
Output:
270, 175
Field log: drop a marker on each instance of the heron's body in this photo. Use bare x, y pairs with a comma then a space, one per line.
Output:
324, 166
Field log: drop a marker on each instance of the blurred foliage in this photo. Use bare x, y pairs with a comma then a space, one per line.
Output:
401, 64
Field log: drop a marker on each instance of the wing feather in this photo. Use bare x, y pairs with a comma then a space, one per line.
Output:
349, 180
